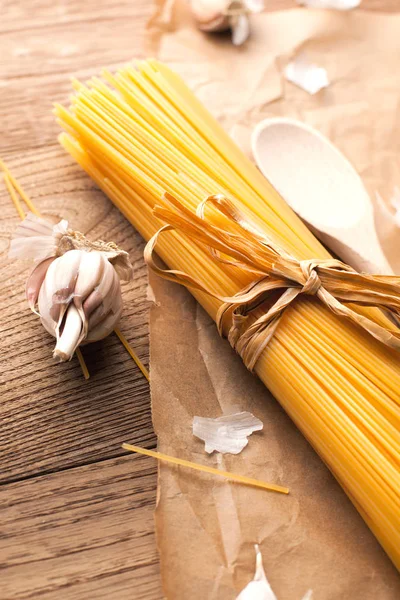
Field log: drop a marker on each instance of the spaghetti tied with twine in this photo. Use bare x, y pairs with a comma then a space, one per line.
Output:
333, 282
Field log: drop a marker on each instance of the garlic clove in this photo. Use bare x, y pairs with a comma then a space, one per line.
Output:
58, 287
91, 269
108, 280
44, 303
240, 29
91, 304
106, 304
90, 273
259, 588
35, 281
45, 300
108, 323
60, 282
68, 340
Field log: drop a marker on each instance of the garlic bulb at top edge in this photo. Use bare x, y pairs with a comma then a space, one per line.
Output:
221, 15
211, 14
76, 283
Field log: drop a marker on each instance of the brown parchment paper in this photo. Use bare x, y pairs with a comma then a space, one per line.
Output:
207, 528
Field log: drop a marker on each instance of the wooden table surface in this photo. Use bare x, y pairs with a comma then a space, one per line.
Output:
76, 511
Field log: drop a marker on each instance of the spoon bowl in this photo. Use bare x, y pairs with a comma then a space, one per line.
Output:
323, 188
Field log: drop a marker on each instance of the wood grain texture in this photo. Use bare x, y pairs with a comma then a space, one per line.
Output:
88, 533
76, 519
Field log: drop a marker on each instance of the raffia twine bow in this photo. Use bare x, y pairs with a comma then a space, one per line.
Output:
247, 248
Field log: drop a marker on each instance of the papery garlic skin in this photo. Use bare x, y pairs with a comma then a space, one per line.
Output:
36, 239
309, 77
227, 434
34, 282
78, 289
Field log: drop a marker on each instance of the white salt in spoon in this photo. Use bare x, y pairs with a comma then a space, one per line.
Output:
323, 188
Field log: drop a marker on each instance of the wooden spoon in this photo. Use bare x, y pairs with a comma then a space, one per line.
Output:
323, 188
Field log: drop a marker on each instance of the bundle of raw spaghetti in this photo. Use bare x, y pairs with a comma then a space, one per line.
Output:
146, 134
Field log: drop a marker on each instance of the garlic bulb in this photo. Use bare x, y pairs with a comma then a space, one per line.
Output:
75, 284
221, 15
211, 14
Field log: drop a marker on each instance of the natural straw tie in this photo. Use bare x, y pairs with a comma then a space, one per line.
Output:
247, 248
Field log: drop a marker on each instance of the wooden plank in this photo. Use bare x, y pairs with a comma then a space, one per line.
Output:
83, 533
43, 44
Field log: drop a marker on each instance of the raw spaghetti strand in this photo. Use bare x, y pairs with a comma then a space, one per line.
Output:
132, 353
206, 469
14, 184
14, 196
